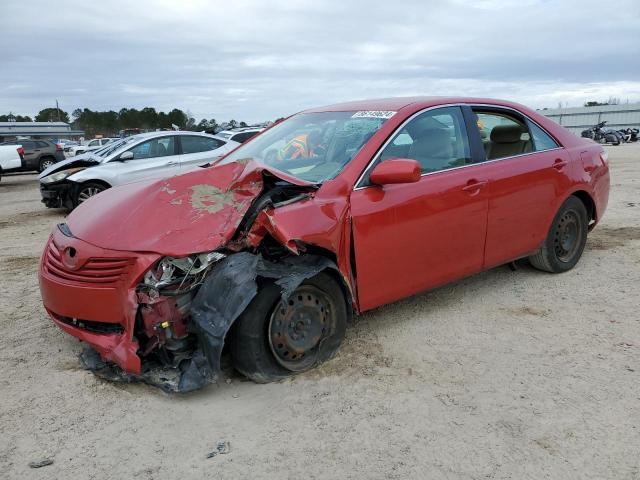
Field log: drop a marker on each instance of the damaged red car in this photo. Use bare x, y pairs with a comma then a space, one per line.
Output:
332, 212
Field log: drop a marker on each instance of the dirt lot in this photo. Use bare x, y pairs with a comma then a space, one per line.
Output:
520, 375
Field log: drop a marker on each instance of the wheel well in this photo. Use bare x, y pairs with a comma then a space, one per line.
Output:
588, 203
315, 250
99, 182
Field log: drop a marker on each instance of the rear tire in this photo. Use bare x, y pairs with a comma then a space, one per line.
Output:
88, 190
272, 339
566, 239
45, 163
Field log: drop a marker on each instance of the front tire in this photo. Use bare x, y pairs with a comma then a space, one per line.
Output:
88, 190
273, 339
566, 239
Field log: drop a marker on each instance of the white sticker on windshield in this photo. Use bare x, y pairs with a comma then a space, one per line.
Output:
374, 114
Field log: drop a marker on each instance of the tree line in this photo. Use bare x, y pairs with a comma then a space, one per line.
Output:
109, 123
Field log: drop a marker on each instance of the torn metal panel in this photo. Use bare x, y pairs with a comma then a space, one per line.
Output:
227, 292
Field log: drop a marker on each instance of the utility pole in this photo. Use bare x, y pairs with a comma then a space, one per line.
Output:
58, 109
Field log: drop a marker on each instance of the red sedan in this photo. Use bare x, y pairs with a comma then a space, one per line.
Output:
331, 212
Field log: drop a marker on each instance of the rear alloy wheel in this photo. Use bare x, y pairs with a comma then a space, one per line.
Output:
88, 190
274, 338
44, 164
565, 242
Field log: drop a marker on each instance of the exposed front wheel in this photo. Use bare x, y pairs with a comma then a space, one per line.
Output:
88, 190
274, 338
566, 239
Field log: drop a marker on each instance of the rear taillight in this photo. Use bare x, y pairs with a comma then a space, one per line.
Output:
21, 152
58, 146
604, 156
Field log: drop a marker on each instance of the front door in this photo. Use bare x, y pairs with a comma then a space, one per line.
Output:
151, 159
412, 237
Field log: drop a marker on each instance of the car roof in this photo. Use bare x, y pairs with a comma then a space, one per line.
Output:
397, 103
241, 129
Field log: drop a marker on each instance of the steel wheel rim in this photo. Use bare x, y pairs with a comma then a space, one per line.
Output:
87, 193
566, 239
299, 326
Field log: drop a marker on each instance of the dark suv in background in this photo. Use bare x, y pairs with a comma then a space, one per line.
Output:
38, 154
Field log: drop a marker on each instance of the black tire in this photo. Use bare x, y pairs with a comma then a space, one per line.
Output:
45, 163
88, 190
259, 358
566, 239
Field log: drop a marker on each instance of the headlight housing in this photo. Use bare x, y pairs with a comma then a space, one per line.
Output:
59, 176
180, 275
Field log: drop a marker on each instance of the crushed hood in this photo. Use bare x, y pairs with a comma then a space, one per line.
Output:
195, 212
84, 160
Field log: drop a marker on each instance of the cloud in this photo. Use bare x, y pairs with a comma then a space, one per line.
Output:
256, 60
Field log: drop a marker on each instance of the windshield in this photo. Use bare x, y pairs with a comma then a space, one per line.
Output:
111, 147
314, 147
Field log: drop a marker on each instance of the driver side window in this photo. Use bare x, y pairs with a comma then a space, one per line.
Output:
437, 139
157, 147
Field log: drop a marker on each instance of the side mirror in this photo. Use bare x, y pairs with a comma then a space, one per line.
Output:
396, 170
126, 156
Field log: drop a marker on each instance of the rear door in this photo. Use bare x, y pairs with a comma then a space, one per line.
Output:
199, 150
527, 170
157, 157
411, 237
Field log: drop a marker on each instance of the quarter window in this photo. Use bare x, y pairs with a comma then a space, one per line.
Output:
195, 144
436, 139
541, 139
157, 147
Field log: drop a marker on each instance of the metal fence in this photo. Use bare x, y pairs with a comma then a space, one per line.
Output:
581, 118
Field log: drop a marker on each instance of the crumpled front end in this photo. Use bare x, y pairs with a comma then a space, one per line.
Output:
89, 292
184, 259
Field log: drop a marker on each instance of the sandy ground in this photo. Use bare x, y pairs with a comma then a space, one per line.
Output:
520, 375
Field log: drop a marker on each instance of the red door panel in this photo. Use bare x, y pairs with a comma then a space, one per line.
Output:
523, 196
412, 237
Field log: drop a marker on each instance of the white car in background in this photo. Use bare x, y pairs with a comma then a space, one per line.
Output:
11, 157
91, 145
240, 135
147, 155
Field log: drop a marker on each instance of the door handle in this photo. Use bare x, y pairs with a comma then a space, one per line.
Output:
473, 185
172, 162
560, 164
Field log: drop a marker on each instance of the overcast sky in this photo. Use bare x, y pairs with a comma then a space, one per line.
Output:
256, 60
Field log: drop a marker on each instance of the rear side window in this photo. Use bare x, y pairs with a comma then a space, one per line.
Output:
503, 135
42, 145
437, 139
157, 147
541, 139
194, 144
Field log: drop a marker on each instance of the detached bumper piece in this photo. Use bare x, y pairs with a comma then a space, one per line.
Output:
168, 379
57, 195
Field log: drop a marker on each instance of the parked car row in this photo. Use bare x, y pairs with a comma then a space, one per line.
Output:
91, 145
270, 251
608, 135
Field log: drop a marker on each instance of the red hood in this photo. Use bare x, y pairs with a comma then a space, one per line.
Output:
195, 212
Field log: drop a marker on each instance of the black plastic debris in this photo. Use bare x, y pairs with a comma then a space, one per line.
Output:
41, 463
